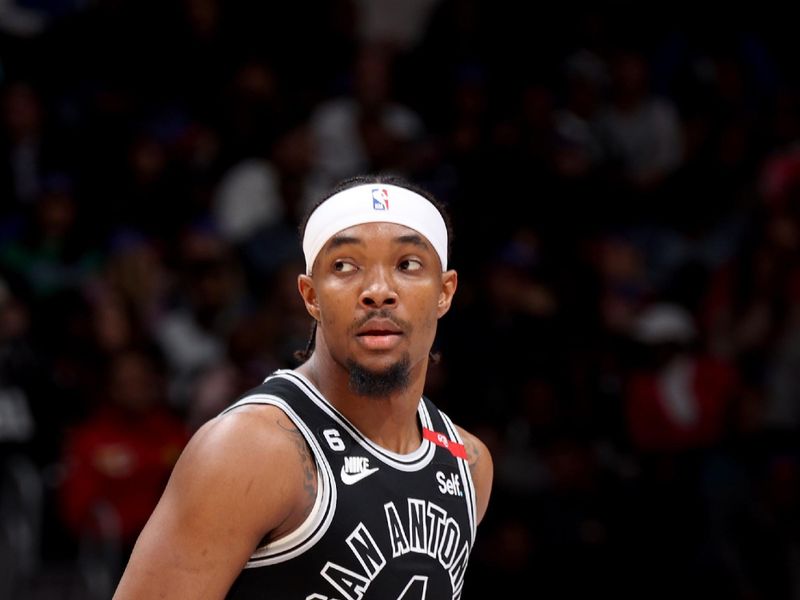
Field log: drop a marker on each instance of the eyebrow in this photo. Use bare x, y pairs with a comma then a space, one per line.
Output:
417, 240
343, 240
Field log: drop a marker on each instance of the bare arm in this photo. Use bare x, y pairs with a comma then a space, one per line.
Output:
482, 469
243, 476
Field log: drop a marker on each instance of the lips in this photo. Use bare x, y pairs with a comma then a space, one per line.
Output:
378, 327
379, 334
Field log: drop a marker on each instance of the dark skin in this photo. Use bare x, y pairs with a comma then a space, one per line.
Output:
377, 292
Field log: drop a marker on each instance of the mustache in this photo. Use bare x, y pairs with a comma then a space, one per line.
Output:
382, 313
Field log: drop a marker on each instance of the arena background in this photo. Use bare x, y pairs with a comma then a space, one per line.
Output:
625, 338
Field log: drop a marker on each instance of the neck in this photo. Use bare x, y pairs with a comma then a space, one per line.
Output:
389, 421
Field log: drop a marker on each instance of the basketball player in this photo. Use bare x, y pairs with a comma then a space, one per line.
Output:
336, 480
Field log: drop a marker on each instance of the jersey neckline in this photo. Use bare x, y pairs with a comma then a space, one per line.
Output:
417, 458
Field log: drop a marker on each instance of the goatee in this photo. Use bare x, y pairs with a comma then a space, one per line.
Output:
379, 384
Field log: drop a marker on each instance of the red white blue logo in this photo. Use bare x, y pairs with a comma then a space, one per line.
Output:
380, 199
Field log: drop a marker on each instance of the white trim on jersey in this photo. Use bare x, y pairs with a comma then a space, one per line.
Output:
413, 461
321, 515
466, 475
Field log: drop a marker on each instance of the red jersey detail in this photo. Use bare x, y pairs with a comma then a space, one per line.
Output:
442, 440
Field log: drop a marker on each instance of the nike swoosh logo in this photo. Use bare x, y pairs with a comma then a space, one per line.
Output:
351, 478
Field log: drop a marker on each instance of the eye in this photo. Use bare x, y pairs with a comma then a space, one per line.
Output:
342, 266
410, 264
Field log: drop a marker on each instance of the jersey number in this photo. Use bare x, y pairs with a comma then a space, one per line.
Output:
334, 439
416, 589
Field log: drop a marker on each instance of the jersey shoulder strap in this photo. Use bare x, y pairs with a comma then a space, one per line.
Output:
274, 385
451, 442
282, 393
282, 389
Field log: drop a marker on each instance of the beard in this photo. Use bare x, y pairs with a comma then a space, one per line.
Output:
379, 384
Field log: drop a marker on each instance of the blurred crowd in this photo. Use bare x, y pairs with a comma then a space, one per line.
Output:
624, 183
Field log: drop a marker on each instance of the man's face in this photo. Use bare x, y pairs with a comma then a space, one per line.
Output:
377, 291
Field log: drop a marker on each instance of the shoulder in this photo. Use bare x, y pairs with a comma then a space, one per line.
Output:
244, 435
481, 466
251, 457
242, 477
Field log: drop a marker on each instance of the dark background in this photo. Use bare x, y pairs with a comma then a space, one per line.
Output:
622, 181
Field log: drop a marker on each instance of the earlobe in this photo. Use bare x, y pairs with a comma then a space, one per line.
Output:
313, 309
449, 285
305, 286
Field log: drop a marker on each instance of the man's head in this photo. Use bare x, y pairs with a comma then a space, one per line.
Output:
376, 281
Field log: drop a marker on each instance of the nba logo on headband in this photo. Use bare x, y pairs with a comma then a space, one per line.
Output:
380, 199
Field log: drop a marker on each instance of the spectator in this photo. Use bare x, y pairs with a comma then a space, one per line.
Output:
18, 373
642, 134
259, 203
118, 460
209, 299
580, 151
679, 399
367, 129
27, 147
51, 253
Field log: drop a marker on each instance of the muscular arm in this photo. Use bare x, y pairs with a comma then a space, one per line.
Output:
482, 469
243, 476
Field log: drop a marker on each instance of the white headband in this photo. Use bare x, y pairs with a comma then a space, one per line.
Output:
374, 203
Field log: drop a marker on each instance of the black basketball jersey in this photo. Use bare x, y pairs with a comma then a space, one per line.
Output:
385, 526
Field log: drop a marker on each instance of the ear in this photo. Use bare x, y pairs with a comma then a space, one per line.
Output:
305, 286
449, 285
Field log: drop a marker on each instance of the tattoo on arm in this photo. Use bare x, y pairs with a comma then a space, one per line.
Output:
307, 461
473, 452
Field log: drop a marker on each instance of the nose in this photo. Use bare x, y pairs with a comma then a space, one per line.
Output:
379, 290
